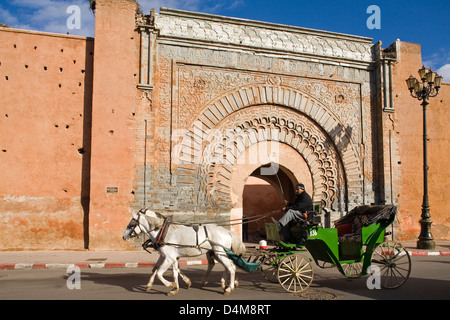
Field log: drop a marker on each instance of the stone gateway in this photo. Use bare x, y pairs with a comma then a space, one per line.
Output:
177, 111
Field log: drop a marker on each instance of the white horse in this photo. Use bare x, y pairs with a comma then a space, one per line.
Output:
186, 241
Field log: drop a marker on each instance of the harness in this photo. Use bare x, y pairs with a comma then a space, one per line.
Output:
163, 232
196, 228
160, 238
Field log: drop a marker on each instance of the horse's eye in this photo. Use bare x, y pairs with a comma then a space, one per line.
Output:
133, 223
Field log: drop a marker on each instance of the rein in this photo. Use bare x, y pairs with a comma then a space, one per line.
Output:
230, 222
168, 221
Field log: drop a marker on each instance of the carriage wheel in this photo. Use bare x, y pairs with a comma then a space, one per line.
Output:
394, 263
295, 273
353, 270
269, 268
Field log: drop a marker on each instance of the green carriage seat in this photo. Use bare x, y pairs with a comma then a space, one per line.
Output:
360, 225
352, 231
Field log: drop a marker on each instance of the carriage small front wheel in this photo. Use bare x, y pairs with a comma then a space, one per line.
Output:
295, 273
269, 267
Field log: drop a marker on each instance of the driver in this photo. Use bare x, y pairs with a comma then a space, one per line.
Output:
294, 211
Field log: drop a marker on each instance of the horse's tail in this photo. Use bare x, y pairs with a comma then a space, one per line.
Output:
237, 246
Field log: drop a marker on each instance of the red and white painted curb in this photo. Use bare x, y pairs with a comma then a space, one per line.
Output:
431, 253
29, 266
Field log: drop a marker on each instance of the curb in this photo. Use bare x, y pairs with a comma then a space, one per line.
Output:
29, 266
35, 266
432, 253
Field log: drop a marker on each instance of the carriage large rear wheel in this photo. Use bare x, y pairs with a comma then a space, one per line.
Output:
394, 263
295, 273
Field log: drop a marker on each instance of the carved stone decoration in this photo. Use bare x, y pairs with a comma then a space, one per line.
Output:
256, 35
218, 138
199, 85
268, 123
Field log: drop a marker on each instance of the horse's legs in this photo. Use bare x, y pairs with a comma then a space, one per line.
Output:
232, 272
229, 269
152, 277
184, 277
210, 257
175, 284
163, 268
176, 271
223, 280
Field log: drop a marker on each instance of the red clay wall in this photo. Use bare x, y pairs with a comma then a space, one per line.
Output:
408, 128
57, 194
45, 104
113, 140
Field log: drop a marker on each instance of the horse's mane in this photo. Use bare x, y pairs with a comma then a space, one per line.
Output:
155, 223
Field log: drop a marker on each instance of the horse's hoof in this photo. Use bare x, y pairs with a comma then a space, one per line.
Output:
148, 289
203, 284
227, 292
188, 284
172, 293
236, 283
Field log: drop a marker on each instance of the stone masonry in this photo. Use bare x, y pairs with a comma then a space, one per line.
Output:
212, 86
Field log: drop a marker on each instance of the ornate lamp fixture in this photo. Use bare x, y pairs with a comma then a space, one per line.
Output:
423, 89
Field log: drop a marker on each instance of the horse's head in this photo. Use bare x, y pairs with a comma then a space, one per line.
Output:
142, 221
133, 228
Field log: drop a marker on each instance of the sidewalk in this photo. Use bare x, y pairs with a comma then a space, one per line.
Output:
20, 260
442, 248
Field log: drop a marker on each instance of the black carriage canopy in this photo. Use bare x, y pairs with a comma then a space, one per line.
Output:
374, 213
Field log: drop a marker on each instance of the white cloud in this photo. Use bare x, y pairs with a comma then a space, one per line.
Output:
6, 17
444, 71
48, 15
209, 6
51, 15
439, 61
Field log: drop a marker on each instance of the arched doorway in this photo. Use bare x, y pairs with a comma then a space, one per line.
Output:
210, 160
262, 190
259, 197
218, 151
265, 195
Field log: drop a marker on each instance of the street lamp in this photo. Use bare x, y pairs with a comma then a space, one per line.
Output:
427, 87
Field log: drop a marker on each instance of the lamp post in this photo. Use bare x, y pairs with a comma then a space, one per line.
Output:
423, 89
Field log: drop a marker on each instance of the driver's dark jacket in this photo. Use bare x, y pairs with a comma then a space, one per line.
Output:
302, 203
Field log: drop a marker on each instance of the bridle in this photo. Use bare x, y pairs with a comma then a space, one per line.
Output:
132, 225
135, 223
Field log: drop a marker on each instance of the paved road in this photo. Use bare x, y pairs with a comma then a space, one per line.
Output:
429, 279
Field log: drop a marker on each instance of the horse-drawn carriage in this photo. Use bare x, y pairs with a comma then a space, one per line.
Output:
356, 247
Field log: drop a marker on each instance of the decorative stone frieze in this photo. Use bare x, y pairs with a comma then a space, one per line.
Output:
247, 34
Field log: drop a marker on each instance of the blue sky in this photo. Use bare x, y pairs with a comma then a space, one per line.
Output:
424, 22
